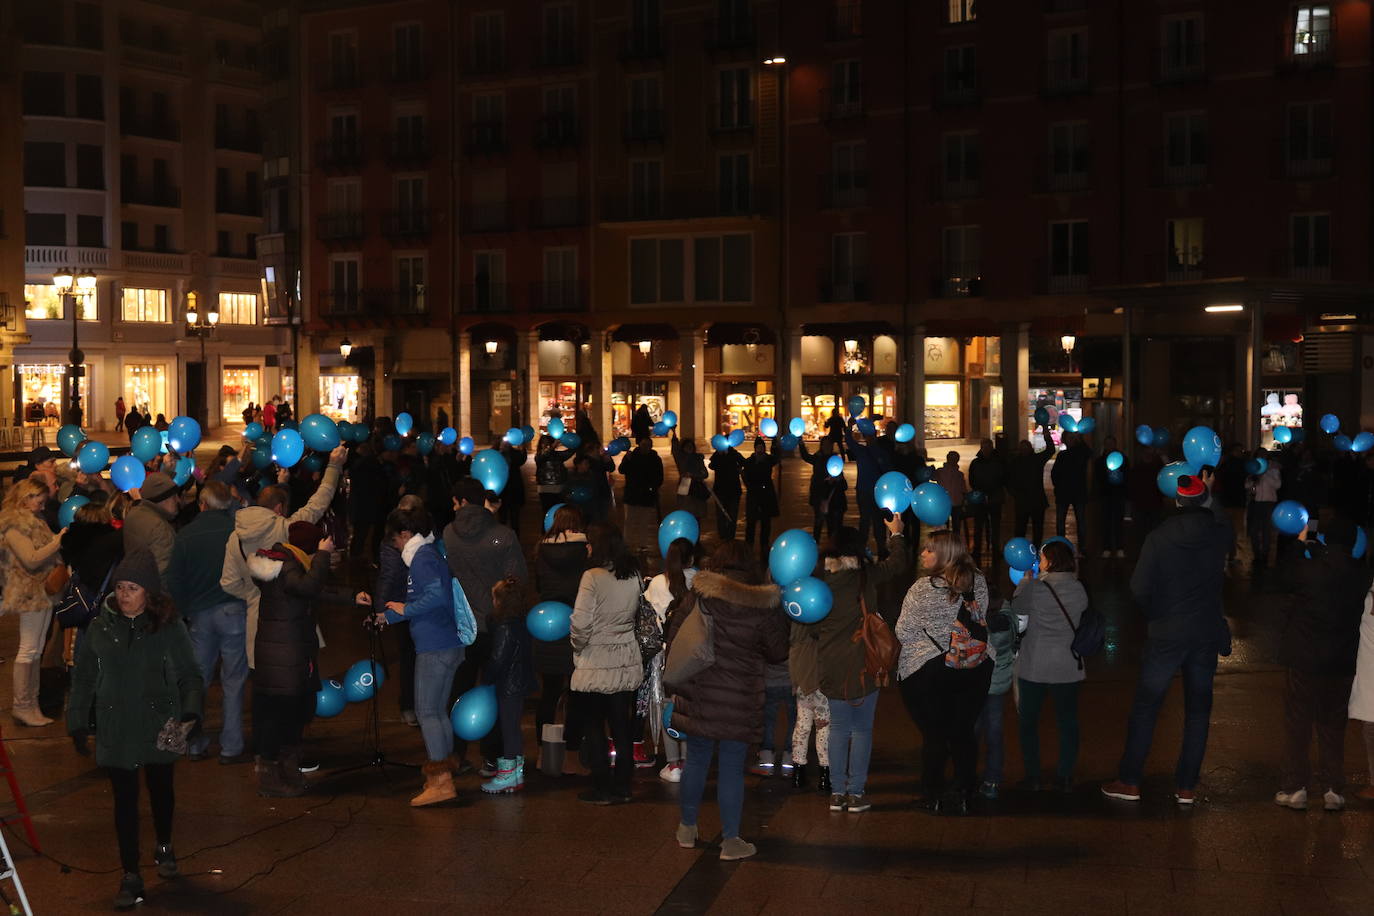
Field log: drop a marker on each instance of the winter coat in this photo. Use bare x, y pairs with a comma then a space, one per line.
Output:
660, 595
391, 577
927, 620
92, 550
481, 552
1002, 640
803, 661
840, 658
951, 478
285, 646
1179, 576
30, 552
429, 598
870, 462
728, 466
761, 496
725, 701
606, 655
1070, 472
643, 472
988, 475
1321, 633
128, 681
1362, 691
823, 486
198, 562
1046, 657
551, 469
1026, 478
509, 668
149, 527
558, 569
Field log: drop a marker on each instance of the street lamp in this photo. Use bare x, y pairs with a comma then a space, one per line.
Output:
645, 346
195, 326
345, 348
491, 347
69, 282
1067, 342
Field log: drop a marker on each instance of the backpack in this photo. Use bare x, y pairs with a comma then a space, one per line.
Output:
1090, 634
648, 633
880, 645
463, 617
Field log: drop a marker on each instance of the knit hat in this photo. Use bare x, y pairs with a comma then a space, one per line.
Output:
157, 486
139, 568
1190, 486
40, 455
305, 536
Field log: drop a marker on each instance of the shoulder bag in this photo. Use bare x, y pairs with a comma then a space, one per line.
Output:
693, 649
881, 648
78, 607
648, 633
1090, 634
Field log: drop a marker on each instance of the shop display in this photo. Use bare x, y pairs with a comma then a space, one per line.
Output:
339, 397
241, 387
942, 410
145, 386
44, 392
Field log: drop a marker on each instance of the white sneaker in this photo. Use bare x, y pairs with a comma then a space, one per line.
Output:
671, 773
787, 765
1296, 800
1333, 800
764, 767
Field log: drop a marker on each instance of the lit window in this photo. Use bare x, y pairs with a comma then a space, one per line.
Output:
238, 308
144, 305
42, 302
961, 11
1312, 30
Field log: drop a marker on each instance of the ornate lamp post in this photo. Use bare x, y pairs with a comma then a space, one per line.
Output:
69, 282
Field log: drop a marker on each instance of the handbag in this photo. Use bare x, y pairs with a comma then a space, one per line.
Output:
1090, 634
881, 648
56, 579
76, 608
693, 649
648, 633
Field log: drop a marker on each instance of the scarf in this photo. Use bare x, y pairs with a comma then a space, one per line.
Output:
413, 546
300, 555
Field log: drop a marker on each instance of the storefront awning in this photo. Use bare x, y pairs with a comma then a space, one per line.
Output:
564, 330
848, 329
724, 332
631, 333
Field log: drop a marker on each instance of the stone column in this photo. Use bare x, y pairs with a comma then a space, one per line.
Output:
599, 355
307, 375
790, 376
912, 409
693, 413
462, 408
528, 363
1015, 381
1249, 352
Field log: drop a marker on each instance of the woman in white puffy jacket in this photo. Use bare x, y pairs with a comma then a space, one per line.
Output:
1362, 691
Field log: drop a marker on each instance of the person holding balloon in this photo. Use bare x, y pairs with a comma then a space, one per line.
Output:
1262, 490
728, 466
551, 472
560, 559
761, 496
513, 496
643, 473
826, 492
510, 670
872, 462
1110, 476
692, 492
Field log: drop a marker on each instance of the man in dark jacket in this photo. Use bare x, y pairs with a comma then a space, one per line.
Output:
987, 475
480, 552
1070, 478
641, 423
1026, 484
871, 463
1178, 581
643, 471
1320, 639
218, 622
727, 486
761, 497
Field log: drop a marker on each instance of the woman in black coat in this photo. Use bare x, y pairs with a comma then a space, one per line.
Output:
761, 496
560, 559
826, 494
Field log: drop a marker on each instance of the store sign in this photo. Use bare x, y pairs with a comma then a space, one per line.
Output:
942, 356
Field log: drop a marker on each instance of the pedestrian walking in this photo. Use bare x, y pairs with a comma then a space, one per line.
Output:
119, 411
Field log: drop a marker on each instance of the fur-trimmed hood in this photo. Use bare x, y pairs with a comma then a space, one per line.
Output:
264, 568
724, 588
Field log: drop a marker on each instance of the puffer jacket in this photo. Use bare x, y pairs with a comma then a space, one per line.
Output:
509, 668
30, 552
481, 552
605, 652
92, 550
840, 659
725, 701
286, 647
1002, 639
146, 525
128, 681
558, 568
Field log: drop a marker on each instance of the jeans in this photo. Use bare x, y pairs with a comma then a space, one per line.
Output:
990, 729
773, 697
813, 711
161, 798
851, 742
433, 679
1161, 660
219, 634
405, 656
1314, 702
599, 712
729, 782
1065, 698
1061, 518
509, 712
279, 719
945, 704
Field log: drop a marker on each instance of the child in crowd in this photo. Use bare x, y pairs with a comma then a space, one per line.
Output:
510, 670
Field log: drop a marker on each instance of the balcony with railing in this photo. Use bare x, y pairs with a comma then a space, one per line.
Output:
733, 118
409, 148
842, 105
732, 33
956, 279
339, 154
54, 256
1306, 157
486, 296
1182, 266
237, 140
705, 203
644, 125
1309, 48
238, 204
342, 303
557, 213
641, 45
1067, 76
1177, 170
408, 224
847, 286
1181, 62
556, 131
949, 187
153, 55
1063, 275
407, 301
557, 296
1311, 264
149, 195
341, 226
486, 138
844, 189
484, 59
131, 125
1065, 177
155, 261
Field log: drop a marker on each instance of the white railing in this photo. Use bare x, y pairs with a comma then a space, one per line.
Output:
65, 256
155, 261
235, 267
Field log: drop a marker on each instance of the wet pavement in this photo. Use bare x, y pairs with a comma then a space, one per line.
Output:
354, 845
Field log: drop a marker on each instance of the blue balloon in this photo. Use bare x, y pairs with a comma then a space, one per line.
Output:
931, 503
67, 511
834, 465
893, 491
736, 438
1341, 442
624, 442
361, 432
1144, 435
556, 428
677, 524
792, 556
719, 442
528, 431
1330, 423
320, 432
185, 467
660, 428
466, 445
1016, 575
1086, 425
362, 679
314, 461
1282, 434
548, 516
581, 494
345, 430
670, 419
424, 443
1019, 554
489, 468
1067, 423
183, 434
404, 423
570, 440
1115, 460
976, 498
856, 405
93, 457
797, 427
1042, 416
1167, 478
515, 436
330, 699
253, 432
905, 433
128, 473
614, 448
146, 444
474, 715
1362, 442
262, 454
866, 426
549, 621
1256, 466
1289, 516
287, 448
1202, 446
392, 443
787, 442
69, 439
807, 600
769, 427
1361, 543
448, 435
1161, 438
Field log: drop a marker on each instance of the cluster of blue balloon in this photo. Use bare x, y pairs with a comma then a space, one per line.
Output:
734, 439
358, 685
1148, 436
618, 445
792, 560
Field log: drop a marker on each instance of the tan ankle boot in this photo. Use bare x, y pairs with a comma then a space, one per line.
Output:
25, 709
438, 785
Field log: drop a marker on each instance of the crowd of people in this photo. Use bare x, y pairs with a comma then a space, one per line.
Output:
229, 575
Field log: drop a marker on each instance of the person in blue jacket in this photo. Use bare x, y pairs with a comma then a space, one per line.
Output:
872, 463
